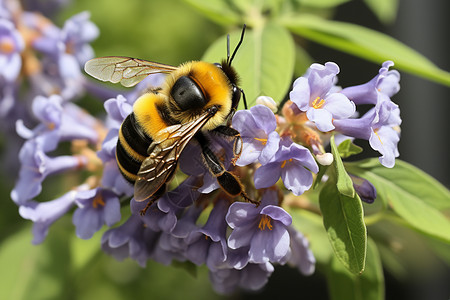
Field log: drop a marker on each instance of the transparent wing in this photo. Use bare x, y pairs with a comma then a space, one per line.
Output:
165, 150
126, 70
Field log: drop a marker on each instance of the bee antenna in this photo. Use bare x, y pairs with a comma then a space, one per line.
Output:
229, 60
228, 49
243, 97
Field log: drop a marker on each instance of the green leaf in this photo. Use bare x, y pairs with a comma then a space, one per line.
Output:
344, 182
321, 3
413, 195
347, 148
385, 10
343, 219
34, 272
85, 251
217, 10
265, 61
311, 225
367, 286
365, 43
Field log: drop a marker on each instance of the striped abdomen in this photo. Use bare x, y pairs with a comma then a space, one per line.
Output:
131, 147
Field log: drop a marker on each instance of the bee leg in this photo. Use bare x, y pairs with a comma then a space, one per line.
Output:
158, 194
228, 181
234, 134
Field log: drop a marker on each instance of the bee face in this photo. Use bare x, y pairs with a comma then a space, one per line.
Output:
196, 87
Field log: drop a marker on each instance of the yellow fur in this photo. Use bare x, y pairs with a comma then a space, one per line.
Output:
147, 114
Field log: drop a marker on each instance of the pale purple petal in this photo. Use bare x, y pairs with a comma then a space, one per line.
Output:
322, 118
339, 106
296, 178
267, 175
300, 94
278, 214
269, 150
264, 118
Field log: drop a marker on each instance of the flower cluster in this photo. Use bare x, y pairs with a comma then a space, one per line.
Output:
196, 222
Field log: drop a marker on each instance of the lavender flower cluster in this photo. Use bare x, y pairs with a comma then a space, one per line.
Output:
195, 222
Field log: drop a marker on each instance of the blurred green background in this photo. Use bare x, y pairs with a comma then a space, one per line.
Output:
172, 32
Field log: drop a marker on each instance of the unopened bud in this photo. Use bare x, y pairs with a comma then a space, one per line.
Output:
325, 159
267, 101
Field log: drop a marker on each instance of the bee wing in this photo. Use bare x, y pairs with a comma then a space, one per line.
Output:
164, 151
126, 70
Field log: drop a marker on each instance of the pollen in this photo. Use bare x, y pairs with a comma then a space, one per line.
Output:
263, 141
318, 103
376, 133
6, 46
284, 162
98, 200
265, 222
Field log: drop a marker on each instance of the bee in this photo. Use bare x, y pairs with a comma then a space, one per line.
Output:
196, 97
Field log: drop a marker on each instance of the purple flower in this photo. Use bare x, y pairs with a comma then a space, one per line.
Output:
11, 45
262, 228
293, 163
300, 255
95, 208
208, 244
365, 189
314, 94
44, 214
162, 215
131, 239
380, 126
35, 167
257, 128
118, 109
253, 277
76, 35
59, 122
386, 82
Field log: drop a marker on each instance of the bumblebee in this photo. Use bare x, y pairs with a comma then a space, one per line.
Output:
196, 97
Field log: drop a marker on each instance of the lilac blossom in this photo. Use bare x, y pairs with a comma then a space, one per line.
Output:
314, 94
365, 189
36, 166
253, 277
59, 122
300, 255
162, 214
95, 208
208, 244
44, 214
11, 45
380, 126
386, 82
131, 239
262, 228
76, 34
257, 128
293, 163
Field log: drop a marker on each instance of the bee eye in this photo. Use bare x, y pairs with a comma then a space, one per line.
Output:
235, 97
187, 94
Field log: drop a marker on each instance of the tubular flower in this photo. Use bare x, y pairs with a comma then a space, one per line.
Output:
257, 128
293, 163
263, 229
314, 95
